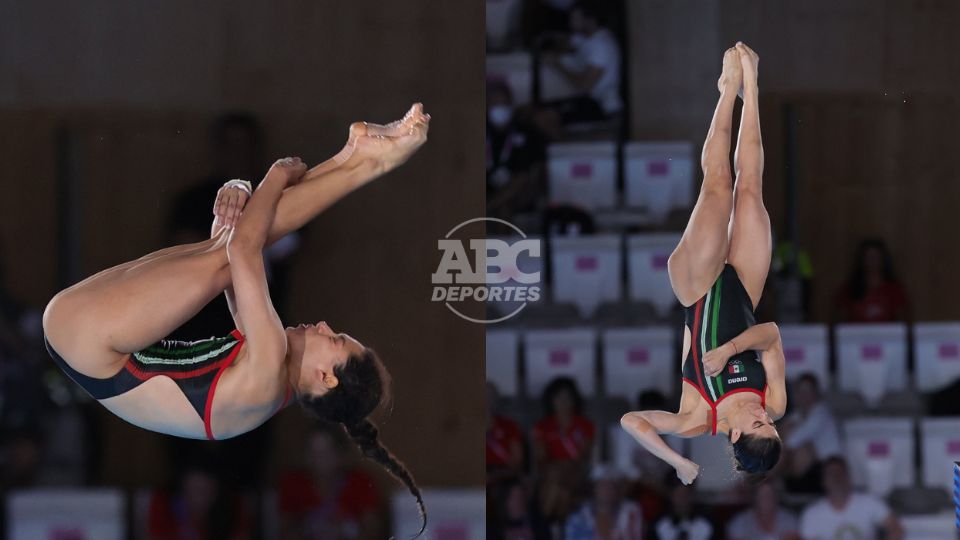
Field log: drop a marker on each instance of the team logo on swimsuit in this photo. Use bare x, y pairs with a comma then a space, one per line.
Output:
487, 278
735, 368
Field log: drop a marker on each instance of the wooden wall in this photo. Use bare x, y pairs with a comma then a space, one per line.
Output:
875, 89
135, 85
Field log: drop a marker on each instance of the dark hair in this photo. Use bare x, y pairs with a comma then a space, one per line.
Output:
811, 378
858, 276
363, 386
556, 386
756, 455
834, 460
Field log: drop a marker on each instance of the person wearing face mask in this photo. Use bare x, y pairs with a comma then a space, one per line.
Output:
592, 68
515, 155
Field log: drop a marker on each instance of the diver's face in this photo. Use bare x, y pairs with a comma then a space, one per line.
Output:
751, 419
323, 350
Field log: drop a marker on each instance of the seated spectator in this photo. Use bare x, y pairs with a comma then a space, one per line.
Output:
515, 156
810, 436
199, 508
684, 521
845, 514
606, 516
765, 519
331, 497
504, 443
873, 293
514, 517
562, 447
593, 69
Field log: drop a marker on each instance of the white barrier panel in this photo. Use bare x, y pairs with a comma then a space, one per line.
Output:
583, 174
638, 359
929, 526
626, 453
872, 359
939, 448
658, 176
549, 354
454, 514
806, 350
880, 453
502, 362
936, 354
516, 70
49, 514
647, 275
587, 270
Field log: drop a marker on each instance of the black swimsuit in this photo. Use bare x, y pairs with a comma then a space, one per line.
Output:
195, 366
722, 314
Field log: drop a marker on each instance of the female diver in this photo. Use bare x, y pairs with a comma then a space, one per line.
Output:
107, 331
733, 367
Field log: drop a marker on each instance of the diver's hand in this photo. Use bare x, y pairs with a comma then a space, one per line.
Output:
687, 471
715, 360
231, 198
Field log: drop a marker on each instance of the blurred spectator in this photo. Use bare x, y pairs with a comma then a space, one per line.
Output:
515, 518
592, 68
765, 519
199, 508
684, 521
504, 443
515, 156
562, 443
331, 498
844, 514
873, 293
21, 456
791, 276
607, 516
810, 436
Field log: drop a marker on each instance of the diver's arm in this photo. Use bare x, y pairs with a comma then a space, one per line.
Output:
646, 426
759, 337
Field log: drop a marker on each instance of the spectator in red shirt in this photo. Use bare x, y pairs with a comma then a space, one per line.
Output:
504, 443
562, 444
873, 292
199, 508
330, 498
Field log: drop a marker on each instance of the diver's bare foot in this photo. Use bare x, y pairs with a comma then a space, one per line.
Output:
395, 129
387, 147
732, 76
750, 63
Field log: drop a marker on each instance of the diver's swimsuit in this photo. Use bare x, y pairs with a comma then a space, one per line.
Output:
724, 313
195, 366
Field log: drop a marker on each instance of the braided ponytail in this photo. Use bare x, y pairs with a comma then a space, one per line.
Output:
363, 386
366, 436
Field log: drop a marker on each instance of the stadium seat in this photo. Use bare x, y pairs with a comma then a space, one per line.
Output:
583, 174
502, 360
555, 353
624, 450
872, 359
516, 70
66, 513
806, 350
647, 277
715, 457
587, 270
658, 176
526, 263
502, 20
454, 513
936, 355
939, 449
880, 453
639, 359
